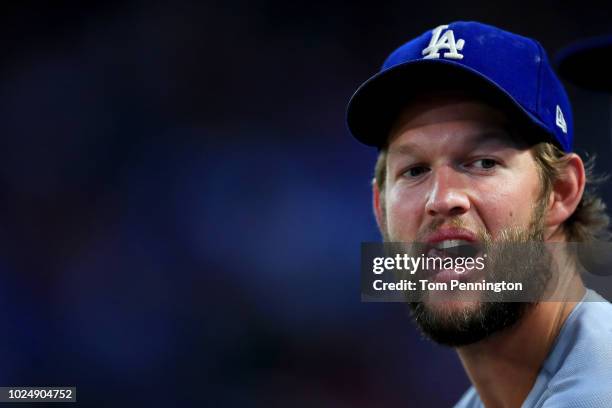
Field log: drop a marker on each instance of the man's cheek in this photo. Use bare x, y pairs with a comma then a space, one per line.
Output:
400, 225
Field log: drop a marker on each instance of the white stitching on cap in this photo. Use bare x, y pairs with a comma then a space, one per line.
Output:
447, 41
560, 120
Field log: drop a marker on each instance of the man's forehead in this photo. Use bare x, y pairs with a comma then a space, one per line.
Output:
475, 115
440, 108
485, 138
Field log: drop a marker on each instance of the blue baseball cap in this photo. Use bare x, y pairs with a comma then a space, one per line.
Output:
510, 70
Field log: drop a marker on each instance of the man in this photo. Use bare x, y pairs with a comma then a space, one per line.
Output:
474, 132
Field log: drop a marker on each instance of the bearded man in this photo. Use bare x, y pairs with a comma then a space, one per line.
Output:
475, 140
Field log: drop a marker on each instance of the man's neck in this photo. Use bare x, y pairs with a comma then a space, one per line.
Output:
504, 367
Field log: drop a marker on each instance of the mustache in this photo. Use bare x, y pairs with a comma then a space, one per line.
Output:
508, 234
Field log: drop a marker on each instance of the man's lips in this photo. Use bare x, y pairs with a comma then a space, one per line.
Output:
447, 234
451, 242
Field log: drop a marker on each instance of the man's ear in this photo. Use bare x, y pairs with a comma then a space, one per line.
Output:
377, 206
566, 192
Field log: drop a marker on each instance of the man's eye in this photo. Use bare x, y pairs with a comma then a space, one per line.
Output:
416, 171
485, 163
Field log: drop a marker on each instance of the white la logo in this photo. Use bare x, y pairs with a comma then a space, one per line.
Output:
560, 120
446, 42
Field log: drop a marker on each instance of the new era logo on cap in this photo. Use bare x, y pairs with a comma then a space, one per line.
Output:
488, 60
560, 120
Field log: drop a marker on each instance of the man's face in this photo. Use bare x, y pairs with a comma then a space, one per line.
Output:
454, 174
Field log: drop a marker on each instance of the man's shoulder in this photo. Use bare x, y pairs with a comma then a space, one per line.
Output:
584, 345
585, 341
578, 370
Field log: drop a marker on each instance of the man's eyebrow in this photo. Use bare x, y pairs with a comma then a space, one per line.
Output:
479, 139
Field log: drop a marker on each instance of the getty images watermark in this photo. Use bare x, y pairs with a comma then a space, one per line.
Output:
454, 266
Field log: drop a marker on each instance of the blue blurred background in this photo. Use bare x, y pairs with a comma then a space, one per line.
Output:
183, 206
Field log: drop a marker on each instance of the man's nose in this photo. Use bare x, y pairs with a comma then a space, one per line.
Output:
448, 195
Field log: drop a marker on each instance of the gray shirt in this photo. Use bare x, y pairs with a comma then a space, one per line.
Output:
578, 370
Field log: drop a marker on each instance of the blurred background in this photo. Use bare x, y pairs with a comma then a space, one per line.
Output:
183, 206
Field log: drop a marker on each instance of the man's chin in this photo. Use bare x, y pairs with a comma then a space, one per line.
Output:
460, 323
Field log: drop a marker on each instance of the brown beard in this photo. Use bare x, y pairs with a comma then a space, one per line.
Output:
517, 255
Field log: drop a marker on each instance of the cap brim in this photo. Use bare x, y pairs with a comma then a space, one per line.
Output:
587, 63
376, 104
